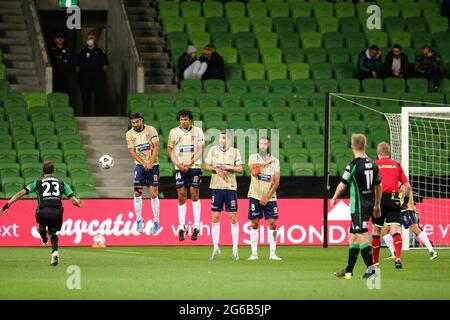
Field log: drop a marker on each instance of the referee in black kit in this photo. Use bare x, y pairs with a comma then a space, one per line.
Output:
91, 66
61, 59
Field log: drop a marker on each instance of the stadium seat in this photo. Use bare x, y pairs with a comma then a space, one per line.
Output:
254, 71
212, 9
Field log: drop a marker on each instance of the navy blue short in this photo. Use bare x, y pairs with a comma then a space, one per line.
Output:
190, 178
144, 178
257, 211
408, 218
221, 197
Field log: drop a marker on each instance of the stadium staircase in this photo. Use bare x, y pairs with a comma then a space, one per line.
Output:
106, 135
147, 30
16, 50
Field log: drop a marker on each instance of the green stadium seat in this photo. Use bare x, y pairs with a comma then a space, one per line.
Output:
244, 40
169, 9
228, 100
344, 9
333, 40
349, 24
271, 55
390, 9
57, 98
328, 24
321, 71
234, 9
306, 24
261, 24
283, 24
223, 40
190, 9
214, 86
74, 155
239, 24
316, 55
304, 86
283, 86
28, 155
267, 40
258, 86
7, 156
229, 55
349, 86
9, 170
338, 56
195, 24
417, 85
237, 86
416, 24
173, 24
200, 39
299, 71
411, 10
394, 85
323, 9
293, 55
249, 55
327, 85
393, 24
311, 40
300, 9
289, 40
302, 169
2, 71
278, 10
441, 40
212, 9
376, 37
276, 71
254, 71
257, 9
255, 100
401, 38
191, 86
438, 24
434, 97
217, 24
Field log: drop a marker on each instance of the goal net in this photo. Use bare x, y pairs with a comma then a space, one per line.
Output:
420, 141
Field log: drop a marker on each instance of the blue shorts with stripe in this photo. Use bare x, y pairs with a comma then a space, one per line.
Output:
190, 178
221, 197
408, 218
143, 178
257, 211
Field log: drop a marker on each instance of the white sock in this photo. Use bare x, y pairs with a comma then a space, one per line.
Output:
182, 215
390, 243
155, 208
138, 207
216, 234
273, 241
196, 208
254, 237
235, 235
424, 238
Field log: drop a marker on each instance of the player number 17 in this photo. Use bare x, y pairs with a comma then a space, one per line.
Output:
369, 178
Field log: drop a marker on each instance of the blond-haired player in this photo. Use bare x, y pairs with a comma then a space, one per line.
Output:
224, 161
185, 148
265, 179
143, 143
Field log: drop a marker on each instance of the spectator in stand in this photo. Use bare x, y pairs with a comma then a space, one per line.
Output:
61, 59
369, 63
189, 67
216, 67
428, 66
396, 63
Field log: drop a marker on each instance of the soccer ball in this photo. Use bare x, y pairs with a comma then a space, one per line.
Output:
106, 161
99, 240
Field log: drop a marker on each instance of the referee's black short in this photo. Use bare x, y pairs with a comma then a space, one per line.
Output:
50, 217
390, 211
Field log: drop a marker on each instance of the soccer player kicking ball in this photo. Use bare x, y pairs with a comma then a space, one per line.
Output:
265, 179
391, 174
49, 213
365, 197
143, 143
224, 161
185, 148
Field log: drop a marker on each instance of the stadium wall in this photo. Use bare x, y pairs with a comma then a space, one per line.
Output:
300, 223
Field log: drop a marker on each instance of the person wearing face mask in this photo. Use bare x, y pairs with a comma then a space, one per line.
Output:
189, 67
91, 65
61, 57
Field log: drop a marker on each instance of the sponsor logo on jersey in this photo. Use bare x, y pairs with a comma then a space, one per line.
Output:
144, 147
265, 177
187, 148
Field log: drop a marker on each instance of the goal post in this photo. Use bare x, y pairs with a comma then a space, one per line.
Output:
419, 134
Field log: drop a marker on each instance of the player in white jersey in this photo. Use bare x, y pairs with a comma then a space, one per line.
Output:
265, 179
224, 162
143, 143
185, 148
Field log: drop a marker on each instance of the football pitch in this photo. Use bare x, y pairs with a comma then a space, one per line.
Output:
187, 273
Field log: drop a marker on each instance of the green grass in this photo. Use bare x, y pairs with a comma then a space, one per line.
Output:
187, 273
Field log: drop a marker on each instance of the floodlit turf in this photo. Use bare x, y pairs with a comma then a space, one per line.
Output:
187, 273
